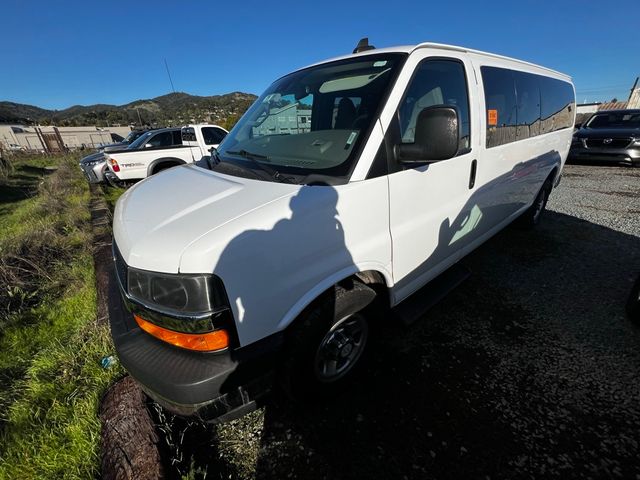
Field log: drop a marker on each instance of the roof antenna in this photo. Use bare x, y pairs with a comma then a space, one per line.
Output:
170, 80
363, 46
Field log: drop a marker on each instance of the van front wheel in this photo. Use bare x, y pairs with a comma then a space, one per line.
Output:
327, 347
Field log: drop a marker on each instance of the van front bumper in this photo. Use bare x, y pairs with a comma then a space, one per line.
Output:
215, 387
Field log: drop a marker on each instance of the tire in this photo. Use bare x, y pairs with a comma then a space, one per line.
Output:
633, 303
327, 346
531, 217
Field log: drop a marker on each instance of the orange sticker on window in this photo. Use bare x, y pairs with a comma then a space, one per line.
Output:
492, 117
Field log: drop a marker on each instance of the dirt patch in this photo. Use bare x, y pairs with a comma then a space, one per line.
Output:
102, 256
131, 445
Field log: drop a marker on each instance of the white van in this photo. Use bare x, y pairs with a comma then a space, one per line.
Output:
343, 190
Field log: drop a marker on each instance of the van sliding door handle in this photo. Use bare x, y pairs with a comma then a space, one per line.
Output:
472, 176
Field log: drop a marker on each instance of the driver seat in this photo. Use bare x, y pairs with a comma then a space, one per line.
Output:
346, 114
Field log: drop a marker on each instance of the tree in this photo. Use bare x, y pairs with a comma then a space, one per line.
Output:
230, 122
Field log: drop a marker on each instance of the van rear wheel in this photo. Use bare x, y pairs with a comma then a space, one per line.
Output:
531, 217
328, 346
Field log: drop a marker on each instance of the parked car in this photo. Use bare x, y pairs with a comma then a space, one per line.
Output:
608, 136
162, 150
93, 166
347, 187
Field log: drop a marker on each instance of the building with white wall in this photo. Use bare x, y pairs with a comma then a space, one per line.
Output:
37, 138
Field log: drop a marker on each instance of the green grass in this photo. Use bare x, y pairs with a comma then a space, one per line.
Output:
51, 344
111, 195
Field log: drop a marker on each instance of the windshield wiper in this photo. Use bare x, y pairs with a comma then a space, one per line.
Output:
214, 160
254, 157
249, 155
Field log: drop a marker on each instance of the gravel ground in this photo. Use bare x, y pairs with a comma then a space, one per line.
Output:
527, 370
607, 196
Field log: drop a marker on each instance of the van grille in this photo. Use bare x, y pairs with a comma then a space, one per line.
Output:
611, 143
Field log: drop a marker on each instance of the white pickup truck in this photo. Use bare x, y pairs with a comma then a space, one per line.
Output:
163, 150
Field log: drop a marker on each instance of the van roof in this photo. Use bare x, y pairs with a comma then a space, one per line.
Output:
441, 46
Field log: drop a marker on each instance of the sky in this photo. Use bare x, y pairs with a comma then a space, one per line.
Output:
58, 54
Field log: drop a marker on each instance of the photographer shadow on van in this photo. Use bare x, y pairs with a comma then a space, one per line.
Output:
317, 347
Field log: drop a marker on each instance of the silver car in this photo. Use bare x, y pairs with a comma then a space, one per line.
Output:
93, 166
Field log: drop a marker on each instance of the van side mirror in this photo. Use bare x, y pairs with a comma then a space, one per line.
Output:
436, 138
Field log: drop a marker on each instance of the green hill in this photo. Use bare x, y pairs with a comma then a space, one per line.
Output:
172, 109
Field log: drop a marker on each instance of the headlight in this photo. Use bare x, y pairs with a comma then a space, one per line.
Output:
186, 294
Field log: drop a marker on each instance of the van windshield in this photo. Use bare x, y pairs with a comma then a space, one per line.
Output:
313, 121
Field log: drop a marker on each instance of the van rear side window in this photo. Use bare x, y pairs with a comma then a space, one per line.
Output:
558, 104
527, 105
522, 105
500, 97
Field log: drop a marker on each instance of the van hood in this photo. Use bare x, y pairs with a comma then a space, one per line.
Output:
157, 219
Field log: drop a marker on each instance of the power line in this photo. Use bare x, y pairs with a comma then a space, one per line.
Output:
599, 90
602, 89
607, 86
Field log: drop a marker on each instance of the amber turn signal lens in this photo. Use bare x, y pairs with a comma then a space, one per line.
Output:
201, 342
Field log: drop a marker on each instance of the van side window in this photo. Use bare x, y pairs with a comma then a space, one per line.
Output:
557, 104
436, 82
500, 99
522, 105
528, 105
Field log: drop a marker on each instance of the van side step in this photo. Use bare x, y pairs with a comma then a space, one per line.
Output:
428, 296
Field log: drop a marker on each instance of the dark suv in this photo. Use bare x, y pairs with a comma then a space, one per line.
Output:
609, 136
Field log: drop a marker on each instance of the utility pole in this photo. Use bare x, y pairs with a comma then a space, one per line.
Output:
139, 119
634, 95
